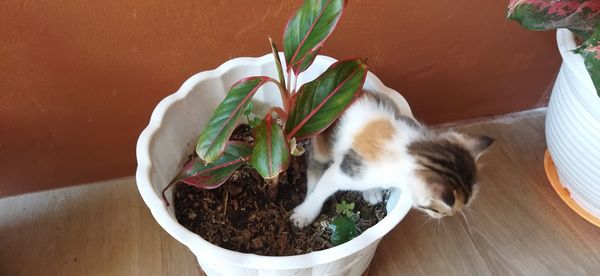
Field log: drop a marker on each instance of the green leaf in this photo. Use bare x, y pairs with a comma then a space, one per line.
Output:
307, 60
590, 50
212, 140
277, 62
578, 15
271, 153
340, 208
343, 229
345, 208
201, 175
321, 101
349, 209
211, 176
306, 31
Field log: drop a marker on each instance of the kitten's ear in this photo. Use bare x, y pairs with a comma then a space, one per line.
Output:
480, 144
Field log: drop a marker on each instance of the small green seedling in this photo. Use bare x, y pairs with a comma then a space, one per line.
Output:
343, 228
345, 208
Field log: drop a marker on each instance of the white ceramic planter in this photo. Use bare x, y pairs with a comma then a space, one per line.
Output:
171, 136
573, 128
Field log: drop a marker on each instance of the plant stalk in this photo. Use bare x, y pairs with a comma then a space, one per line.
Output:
279, 112
295, 85
285, 97
281, 84
273, 187
289, 74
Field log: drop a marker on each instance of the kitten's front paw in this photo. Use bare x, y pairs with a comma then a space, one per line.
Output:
301, 218
373, 196
299, 221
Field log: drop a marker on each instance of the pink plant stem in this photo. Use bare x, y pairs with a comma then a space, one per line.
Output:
289, 73
282, 114
285, 97
281, 83
295, 84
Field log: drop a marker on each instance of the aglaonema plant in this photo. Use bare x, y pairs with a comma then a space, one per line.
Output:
580, 16
305, 111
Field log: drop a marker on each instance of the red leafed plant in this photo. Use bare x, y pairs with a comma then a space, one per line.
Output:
580, 16
305, 112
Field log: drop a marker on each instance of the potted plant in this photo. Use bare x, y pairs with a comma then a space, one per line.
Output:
302, 97
573, 118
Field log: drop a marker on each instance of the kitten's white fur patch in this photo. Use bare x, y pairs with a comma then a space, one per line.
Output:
395, 168
393, 171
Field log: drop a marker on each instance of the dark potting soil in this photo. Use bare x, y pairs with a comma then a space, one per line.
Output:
241, 216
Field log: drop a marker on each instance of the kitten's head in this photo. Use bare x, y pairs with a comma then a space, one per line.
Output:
446, 171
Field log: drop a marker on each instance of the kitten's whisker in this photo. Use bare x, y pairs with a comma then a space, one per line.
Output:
431, 223
466, 221
437, 227
444, 226
471, 211
424, 223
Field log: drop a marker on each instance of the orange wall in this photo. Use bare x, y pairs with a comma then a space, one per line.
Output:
80, 78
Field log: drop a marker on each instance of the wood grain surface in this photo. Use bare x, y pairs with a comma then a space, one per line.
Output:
516, 226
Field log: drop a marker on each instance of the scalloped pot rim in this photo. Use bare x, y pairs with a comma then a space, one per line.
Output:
218, 254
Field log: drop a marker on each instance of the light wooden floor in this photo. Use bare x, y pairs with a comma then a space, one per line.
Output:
518, 226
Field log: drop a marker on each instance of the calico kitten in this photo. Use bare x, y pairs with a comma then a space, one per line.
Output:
374, 147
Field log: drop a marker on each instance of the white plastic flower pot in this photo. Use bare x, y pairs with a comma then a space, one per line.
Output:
573, 131
171, 136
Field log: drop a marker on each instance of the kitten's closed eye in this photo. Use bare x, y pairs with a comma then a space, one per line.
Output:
433, 211
429, 208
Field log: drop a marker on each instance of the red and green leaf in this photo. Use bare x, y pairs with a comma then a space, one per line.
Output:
320, 102
307, 60
306, 31
213, 175
590, 50
581, 16
210, 176
271, 153
214, 137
